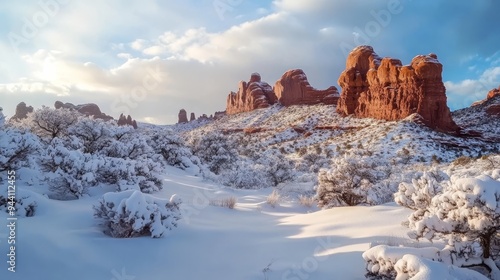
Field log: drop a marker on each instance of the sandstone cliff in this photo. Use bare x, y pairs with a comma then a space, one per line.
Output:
385, 89
89, 109
293, 88
251, 95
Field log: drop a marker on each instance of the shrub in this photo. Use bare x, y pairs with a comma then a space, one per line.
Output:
466, 211
463, 160
24, 204
50, 123
346, 184
132, 213
15, 147
215, 151
229, 202
171, 147
274, 198
95, 134
70, 172
306, 201
278, 168
245, 175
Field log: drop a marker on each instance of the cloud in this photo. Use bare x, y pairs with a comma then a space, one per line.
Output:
108, 52
463, 93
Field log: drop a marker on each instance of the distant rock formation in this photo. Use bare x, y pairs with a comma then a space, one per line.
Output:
22, 111
193, 117
122, 120
182, 116
385, 89
492, 93
291, 89
219, 114
250, 96
89, 109
294, 89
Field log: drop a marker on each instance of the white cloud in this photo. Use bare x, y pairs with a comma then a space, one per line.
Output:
101, 51
465, 92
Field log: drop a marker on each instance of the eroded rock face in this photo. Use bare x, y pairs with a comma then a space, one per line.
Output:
294, 89
89, 109
22, 111
251, 95
182, 116
192, 118
291, 89
385, 89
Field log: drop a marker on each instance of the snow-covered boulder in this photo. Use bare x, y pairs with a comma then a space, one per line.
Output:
132, 213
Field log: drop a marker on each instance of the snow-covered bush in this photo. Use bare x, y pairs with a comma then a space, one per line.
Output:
15, 147
132, 213
419, 193
467, 210
24, 203
95, 134
128, 143
216, 151
70, 172
171, 147
414, 267
347, 183
50, 123
245, 175
380, 260
278, 168
387, 262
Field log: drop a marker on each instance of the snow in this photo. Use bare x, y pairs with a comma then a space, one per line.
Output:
417, 268
209, 243
255, 240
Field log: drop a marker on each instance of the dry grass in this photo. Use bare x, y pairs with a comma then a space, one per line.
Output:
274, 198
307, 201
228, 202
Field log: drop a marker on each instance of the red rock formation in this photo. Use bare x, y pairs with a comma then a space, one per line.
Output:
492, 93
122, 120
294, 89
22, 111
89, 109
384, 89
182, 116
291, 89
250, 96
193, 117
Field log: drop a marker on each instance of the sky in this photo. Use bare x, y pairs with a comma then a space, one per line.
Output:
150, 58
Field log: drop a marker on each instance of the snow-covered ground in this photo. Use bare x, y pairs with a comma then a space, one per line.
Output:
252, 241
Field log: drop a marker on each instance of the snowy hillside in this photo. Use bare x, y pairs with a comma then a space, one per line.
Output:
277, 193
